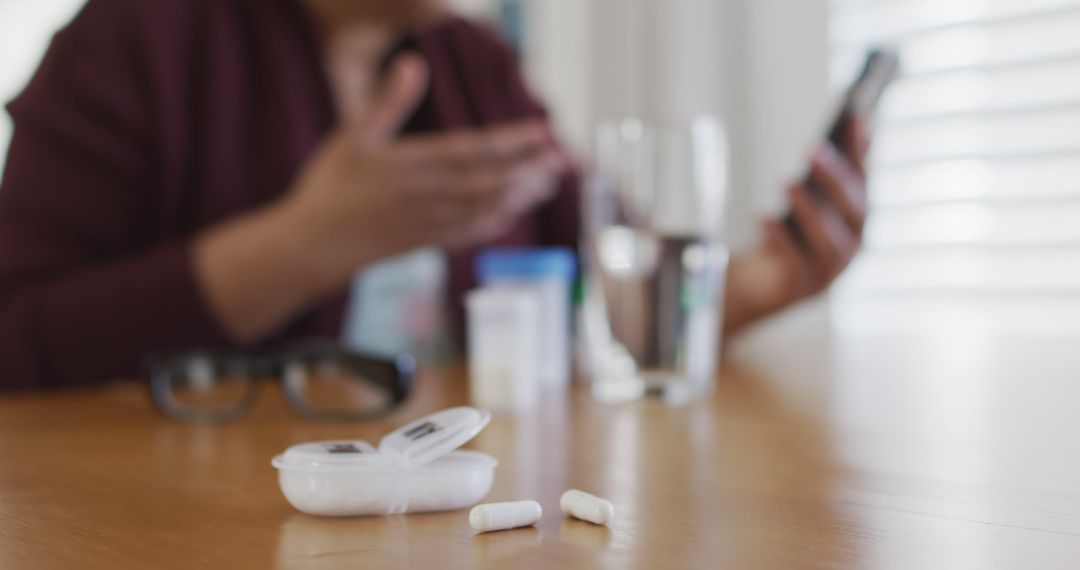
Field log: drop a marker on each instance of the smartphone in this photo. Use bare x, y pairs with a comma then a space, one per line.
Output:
881, 69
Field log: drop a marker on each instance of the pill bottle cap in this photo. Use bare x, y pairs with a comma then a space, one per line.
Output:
526, 264
432, 437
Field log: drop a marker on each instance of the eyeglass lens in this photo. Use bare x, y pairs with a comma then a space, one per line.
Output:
204, 385
327, 385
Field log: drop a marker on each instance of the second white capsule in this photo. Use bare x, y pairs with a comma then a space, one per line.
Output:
505, 516
581, 505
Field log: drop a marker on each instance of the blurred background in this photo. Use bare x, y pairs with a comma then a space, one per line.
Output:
976, 171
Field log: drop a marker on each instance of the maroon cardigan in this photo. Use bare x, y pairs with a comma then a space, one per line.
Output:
150, 121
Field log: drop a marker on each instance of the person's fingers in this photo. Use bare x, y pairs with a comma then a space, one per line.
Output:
397, 99
484, 217
477, 187
475, 227
470, 148
536, 178
779, 239
492, 216
450, 217
490, 227
465, 201
469, 205
531, 189
485, 181
857, 143
840, 181
506, 142
842, 243
817, 231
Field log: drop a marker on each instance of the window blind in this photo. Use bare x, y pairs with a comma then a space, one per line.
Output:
975, 177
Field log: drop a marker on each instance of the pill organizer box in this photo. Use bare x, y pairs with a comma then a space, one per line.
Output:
417, 468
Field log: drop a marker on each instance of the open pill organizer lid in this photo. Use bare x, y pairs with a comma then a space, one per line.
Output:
332, 455
432, 437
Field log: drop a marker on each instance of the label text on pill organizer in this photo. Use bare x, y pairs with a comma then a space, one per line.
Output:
337, 448
423, 430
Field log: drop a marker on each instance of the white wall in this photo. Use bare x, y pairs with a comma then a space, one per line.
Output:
786, 92
759, 64
26, 27
560, 63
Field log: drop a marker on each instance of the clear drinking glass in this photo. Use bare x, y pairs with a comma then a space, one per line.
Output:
656, 257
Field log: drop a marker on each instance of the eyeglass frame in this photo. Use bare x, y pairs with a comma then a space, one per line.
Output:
396, 375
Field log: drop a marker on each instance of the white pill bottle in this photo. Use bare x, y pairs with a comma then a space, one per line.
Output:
503, 349
548, 274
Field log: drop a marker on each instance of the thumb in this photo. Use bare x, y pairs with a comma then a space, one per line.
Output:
401, 92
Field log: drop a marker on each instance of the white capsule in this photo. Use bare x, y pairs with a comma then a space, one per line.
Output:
581, 505
505, 516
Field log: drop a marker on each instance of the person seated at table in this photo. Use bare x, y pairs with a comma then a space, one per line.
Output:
191, 173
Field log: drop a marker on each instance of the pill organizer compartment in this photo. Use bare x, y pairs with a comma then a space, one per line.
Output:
415, 469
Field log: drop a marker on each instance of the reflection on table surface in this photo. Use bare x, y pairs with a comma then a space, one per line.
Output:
867, 451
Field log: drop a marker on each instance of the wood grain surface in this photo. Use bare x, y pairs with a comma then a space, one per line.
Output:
872, 452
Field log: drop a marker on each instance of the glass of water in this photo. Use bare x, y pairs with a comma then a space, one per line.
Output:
656, 257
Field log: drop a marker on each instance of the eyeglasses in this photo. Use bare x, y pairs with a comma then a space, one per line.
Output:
320, 381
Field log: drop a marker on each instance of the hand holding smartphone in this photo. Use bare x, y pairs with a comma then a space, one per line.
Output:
880, 70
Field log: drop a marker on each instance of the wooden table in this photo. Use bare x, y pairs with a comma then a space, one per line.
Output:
864, 452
